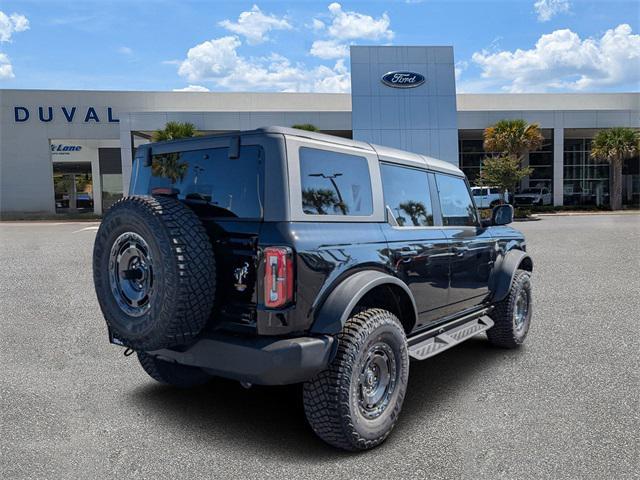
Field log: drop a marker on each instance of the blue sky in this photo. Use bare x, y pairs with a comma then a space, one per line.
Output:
499, 46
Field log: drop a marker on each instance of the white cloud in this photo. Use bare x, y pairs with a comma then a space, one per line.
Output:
547, 9
317, 24
331, 80
192, 88
10, 24
125, 51
210, 59
217, 61
254, 25
6, 70
328, 49
561, 60
347, 25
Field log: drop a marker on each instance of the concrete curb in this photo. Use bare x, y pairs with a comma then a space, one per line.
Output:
569, 214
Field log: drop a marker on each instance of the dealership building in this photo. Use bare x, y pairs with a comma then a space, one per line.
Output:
71, 151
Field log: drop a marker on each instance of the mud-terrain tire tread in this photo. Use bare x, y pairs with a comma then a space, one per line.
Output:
502, 334
181, 376
326, 396
190, 269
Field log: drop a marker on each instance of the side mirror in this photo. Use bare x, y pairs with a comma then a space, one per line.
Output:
502, 215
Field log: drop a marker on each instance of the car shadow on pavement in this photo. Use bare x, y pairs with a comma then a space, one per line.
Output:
271, 421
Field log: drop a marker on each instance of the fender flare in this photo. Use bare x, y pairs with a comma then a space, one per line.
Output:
504, 271
334, 312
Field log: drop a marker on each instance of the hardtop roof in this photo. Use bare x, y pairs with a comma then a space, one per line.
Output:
386, 154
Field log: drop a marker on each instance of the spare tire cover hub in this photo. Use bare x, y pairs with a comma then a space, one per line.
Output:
131, 273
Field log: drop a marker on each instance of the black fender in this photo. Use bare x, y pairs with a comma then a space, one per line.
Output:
504, 270
334, 312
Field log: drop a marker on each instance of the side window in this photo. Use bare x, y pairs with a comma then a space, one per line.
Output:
495, 191
334, 183
455, 201
406, 193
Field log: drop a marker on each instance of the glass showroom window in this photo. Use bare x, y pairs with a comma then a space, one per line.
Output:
472, 154
586, 181
541, 161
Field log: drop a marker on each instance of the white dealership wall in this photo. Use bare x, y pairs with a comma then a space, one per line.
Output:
419, 119
26, 173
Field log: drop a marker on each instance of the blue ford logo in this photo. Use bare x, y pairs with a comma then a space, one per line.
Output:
403, 79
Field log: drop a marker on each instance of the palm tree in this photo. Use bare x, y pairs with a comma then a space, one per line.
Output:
174, 130
319, 200
513, 137
510, 140
615, 145
306, 126
415, 210
169, 165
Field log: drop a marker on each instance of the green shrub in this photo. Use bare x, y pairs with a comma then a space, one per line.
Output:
485, 213
522, 212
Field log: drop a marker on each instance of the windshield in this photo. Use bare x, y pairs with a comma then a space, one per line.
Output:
535, 191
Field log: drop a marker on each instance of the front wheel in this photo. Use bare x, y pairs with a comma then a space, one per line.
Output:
355, 402
512, 316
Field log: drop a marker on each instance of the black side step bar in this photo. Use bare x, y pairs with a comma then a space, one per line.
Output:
441, 338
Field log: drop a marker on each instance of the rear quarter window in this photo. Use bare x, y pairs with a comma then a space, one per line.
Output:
334, 183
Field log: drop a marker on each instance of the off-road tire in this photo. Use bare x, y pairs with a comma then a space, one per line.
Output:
331, 398
183, 273
181, 376
504, 332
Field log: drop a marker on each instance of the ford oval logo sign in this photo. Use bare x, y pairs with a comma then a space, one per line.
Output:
403, 79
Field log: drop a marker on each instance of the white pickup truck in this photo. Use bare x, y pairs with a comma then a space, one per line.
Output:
533, 196
487, 197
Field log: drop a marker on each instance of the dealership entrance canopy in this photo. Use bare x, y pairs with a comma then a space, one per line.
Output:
71, 151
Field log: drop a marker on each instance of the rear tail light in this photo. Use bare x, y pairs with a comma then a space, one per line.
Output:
278, 276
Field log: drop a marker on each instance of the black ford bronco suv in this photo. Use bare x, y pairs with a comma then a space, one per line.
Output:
280, 256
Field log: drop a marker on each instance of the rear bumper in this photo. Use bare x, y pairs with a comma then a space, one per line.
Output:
258, 360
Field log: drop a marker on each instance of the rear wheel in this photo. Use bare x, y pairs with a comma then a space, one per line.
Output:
355, 402
512, 316
182, 376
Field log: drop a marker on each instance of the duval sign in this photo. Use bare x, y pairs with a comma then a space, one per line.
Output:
67, 114
403, 79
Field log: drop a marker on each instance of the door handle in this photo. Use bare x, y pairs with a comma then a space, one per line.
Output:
407, 252
460, 251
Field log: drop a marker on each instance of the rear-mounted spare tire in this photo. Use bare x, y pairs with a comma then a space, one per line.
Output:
154, 272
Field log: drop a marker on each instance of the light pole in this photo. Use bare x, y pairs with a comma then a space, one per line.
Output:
332, 178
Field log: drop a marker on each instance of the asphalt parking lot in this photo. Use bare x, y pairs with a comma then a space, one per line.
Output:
566, 405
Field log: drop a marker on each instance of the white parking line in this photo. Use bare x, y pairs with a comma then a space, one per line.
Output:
37, 223
87, 228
